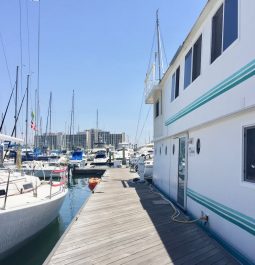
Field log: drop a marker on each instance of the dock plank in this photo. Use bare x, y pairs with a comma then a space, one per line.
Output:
127, 223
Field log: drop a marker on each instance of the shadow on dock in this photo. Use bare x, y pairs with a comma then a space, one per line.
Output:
184, 243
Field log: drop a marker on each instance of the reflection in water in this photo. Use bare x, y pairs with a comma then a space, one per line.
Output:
36, 250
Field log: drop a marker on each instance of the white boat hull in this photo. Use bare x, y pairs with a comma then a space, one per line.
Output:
18, 225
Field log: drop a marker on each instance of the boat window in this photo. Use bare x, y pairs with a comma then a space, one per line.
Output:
28, 186
175, 84
100, 156
173, 149
2, 192
157, 109
198, 146
196, 69
249, 154
187, 71
217, 34
224, 27
160, 150
230, 22
166, 150
173, 87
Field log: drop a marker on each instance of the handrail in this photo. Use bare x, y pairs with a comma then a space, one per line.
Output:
61, 183
7, 187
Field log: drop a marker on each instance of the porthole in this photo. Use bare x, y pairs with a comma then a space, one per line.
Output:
166, 150
173, 148
198, 146
160, 150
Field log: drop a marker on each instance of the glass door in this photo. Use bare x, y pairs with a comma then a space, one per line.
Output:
182, 165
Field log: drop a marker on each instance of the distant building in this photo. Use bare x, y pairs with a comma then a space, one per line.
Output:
50, 141
85, 139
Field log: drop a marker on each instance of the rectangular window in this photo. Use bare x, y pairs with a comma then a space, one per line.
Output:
177, 83
196, 68
187, 70
217, 34
173, 87
157, 109
230, 22
249, 154
224, 33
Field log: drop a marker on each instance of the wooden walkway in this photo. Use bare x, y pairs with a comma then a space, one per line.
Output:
126, 223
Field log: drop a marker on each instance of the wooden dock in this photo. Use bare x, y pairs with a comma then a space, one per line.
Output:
127, 223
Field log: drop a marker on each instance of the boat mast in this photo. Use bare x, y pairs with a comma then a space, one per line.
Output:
50, 120
27, 113
72, 124
16, 102
158, 44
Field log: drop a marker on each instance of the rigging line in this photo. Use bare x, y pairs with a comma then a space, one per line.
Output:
139, 117
5, 58
152, 47
20, 39
140, 111
28, 37
164, 51
21, 61
145, 122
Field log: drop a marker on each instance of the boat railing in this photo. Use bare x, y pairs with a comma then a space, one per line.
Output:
61, 184
7, 187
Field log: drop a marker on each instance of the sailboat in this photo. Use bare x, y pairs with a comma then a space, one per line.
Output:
27, 205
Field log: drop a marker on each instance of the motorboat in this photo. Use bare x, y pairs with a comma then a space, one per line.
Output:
100, 159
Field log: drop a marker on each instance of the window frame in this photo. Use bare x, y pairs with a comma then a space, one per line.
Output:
223, 28
157, 109
192, 60
244, 154
174, 81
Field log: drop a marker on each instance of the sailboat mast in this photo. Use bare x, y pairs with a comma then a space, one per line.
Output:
72, 124
27, 112
73, 116
50, 121
16, 101
158, 44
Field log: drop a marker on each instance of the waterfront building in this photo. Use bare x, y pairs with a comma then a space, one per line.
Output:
204, 124
51, 140
85, 139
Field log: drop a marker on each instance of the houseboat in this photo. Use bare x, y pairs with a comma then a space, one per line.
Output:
204, 124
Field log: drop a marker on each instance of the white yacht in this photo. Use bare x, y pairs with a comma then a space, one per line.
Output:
27, 205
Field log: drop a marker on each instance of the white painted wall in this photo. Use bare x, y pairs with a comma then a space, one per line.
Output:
217, 171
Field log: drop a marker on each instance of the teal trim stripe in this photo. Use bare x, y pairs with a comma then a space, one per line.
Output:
235, 79
245, 222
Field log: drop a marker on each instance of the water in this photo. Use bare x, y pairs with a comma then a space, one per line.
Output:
36, 250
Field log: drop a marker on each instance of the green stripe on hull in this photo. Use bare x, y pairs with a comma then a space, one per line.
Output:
243, 74
245, 222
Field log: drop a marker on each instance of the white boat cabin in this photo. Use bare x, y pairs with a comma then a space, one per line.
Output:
204, 124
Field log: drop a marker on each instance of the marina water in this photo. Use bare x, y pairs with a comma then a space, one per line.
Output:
36, 250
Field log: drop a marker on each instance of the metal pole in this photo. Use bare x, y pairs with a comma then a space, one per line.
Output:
27, 114
16, 101
7, 187
159, 52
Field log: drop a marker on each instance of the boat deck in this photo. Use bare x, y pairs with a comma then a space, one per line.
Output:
127, 223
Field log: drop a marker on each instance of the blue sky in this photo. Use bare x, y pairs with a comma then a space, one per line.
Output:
98, 48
